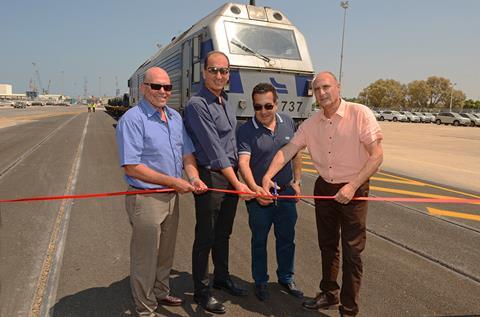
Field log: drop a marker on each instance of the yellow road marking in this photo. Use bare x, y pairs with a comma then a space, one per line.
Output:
309, 170
407, 192
307, 163
440, 212
397, 181
432, 186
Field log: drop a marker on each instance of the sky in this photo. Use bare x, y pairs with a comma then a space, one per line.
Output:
100, 40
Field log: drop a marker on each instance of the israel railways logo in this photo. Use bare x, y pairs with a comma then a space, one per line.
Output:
281, 88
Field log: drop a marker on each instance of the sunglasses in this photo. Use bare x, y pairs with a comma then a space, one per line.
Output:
216, 70
166, 87
267, 106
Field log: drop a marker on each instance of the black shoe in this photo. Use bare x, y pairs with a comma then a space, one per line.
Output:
322, 301
345, 312
230, 287
261, 291
210, 304
292, 289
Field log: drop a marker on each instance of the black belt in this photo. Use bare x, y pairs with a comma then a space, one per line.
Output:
235, 169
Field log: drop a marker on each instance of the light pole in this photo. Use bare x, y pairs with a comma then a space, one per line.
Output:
344, 5
99, 86
451, 95
63, 82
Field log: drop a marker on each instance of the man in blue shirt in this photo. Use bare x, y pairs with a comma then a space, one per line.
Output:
259, 139
154, 147
210, 122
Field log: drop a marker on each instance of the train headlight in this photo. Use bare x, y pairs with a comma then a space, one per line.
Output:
309, 88
256, 13
242, 104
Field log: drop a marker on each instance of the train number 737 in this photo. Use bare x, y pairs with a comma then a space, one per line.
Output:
291, 105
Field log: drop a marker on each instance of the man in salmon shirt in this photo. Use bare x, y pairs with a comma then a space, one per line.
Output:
344, 141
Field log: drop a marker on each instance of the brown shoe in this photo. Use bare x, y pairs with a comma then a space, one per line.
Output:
170, 301
322, 301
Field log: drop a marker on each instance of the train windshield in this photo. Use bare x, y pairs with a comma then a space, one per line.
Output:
263, 41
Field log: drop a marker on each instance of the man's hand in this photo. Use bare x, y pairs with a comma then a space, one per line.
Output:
345, 194
298, 190
267, 184
181, 186
241, 187
264, 201
200, 186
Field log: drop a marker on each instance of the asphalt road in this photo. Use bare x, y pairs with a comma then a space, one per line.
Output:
71, 257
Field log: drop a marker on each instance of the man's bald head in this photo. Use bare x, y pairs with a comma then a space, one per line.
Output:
154, 72
157, 98
327, 74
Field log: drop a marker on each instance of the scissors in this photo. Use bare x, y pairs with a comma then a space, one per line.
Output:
275, 193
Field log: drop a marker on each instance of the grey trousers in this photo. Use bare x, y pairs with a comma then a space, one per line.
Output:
154, 220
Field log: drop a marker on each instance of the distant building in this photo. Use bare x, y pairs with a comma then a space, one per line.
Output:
5, 89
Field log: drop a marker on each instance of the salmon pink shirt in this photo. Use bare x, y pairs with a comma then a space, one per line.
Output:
337, 145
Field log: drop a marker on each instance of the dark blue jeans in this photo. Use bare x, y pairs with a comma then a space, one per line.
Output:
283, 217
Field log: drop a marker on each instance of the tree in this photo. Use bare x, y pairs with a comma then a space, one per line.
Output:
418, 93
440, 90
384, 93
458, 99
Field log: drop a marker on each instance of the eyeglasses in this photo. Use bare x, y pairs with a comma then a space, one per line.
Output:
267, 106
166, 87
216, 70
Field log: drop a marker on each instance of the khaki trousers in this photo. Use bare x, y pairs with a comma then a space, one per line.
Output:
154, 220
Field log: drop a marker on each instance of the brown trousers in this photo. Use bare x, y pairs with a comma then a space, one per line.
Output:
349, 222
154, 220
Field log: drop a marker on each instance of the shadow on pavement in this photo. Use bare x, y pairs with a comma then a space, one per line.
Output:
116, 300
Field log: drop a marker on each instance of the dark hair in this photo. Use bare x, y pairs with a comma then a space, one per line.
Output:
263, 88
205, 62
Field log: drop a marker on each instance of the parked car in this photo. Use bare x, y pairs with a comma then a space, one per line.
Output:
392, 115
410, 116
6, 103
20, 104
38, 103
376, 114
474, 121
423, 118
430, 115
451, 118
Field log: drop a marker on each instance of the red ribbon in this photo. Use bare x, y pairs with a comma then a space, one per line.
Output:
228, 191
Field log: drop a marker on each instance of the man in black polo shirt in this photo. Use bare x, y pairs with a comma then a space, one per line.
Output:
258, 141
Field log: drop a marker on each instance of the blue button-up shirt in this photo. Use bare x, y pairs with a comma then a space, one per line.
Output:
262, 144
143, 138
211, 123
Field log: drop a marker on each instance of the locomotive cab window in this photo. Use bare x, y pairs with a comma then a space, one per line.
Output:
246, 39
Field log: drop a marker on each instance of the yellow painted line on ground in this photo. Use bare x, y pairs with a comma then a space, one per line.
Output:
309, 170
307, 163
431, 185
397, 181
306, 156
453, 214
407, 192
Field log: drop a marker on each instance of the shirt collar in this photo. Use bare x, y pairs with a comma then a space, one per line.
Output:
257, 125
210, 97
150, 110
